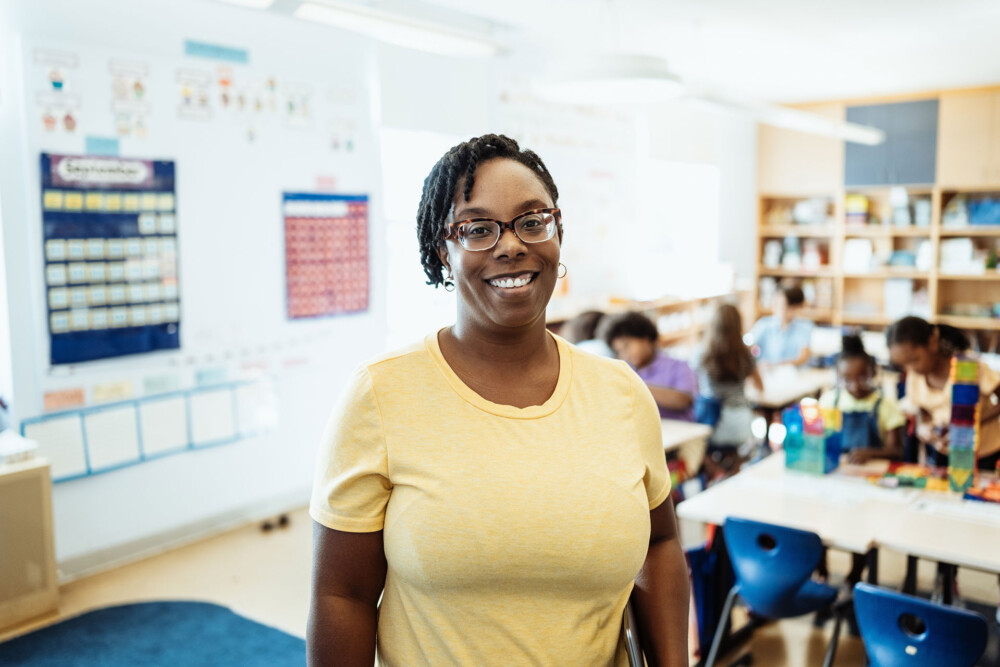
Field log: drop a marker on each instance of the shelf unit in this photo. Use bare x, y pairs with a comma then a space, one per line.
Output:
794, 168
691, 314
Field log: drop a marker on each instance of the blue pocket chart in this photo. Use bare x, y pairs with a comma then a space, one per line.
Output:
110, 248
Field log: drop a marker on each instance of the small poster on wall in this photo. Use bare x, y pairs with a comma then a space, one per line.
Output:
110, 235
326, 254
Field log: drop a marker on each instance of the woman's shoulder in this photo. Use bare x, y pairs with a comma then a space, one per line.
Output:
587, 362
403, 359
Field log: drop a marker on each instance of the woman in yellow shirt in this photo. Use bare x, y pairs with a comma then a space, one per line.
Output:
502, 491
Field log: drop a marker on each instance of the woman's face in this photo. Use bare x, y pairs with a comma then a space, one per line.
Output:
914, 358
503, 189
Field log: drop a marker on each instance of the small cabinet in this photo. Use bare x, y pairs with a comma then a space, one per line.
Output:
969, 140
909, 153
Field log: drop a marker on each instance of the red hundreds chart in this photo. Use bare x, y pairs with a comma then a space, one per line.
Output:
326, 254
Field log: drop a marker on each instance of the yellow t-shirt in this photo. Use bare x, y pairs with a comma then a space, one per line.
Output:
890, 417
513, 536
937, 402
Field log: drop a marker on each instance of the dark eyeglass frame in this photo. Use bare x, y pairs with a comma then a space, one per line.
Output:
454, 229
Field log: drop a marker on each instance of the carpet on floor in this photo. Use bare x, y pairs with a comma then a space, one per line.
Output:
156, 634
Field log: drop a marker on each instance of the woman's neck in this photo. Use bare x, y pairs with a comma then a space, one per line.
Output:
501, 347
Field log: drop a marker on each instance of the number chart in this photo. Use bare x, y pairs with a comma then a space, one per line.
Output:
326, 254
110, 235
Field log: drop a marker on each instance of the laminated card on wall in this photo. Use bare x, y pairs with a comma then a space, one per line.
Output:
110, 247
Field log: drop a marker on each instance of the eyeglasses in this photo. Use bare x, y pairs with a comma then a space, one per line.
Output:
483, 233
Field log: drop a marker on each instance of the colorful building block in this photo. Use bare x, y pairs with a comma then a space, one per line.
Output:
963, 438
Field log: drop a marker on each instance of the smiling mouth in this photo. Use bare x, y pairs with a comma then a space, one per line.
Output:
512, 282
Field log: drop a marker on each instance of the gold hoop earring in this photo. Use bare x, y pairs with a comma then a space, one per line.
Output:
564, 271
449, 284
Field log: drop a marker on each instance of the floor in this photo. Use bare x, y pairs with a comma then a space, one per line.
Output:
265, 576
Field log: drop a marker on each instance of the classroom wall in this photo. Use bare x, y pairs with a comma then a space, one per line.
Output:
230, 262
682, 132
593, 153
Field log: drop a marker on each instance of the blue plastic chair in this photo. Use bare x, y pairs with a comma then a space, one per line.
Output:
902, 630
773, 565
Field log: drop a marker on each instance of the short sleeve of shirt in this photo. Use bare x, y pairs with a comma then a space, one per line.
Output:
800, 335
649, 433
989, 380
890, 417
352, 484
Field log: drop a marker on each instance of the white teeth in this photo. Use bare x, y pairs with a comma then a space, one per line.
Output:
520, 281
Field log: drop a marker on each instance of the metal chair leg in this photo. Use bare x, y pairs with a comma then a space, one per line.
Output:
720, 630
831, 651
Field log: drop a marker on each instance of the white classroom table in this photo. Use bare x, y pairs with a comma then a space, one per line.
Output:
852, 514
677, 433
688, 439
785, 385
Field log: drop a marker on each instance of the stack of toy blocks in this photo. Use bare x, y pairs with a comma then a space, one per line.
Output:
963, 434
812, 438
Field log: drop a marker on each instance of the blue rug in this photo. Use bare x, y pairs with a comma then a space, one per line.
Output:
156, 634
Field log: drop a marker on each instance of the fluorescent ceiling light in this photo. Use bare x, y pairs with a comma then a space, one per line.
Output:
796, 119
253, 4
399, 29
610, 79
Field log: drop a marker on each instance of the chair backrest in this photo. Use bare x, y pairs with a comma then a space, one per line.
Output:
901, 629
771, 562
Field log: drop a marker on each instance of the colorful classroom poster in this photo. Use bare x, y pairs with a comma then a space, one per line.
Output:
110, 248
326, 254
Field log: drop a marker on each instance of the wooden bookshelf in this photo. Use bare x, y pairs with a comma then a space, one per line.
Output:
793, 169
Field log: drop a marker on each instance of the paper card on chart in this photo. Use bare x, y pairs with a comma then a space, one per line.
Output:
60, 441
163, 425
212, 417
112, 437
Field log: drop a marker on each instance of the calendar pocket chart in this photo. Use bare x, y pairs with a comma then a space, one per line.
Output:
110, 251
326, 254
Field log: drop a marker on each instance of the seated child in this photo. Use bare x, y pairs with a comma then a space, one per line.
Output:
784, 337
926, 351
633, 337
872, 421
582, 332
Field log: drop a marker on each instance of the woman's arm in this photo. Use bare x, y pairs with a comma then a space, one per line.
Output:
671, 399
348, 577
661, 593
756, 380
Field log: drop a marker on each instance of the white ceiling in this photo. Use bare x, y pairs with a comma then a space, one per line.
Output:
775, 50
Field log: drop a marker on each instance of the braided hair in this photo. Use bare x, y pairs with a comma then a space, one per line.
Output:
439, 190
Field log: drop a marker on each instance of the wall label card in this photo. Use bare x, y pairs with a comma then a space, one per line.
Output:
326, 254
110, 241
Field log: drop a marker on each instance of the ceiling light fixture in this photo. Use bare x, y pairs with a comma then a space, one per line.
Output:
399, 29
610, 79
252, 4
795, 119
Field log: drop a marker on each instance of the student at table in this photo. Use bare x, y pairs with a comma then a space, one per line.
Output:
926, 351
784, 337
582, 332
872, 421
633, 337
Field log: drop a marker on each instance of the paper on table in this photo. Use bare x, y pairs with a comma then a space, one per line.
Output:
987, 514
